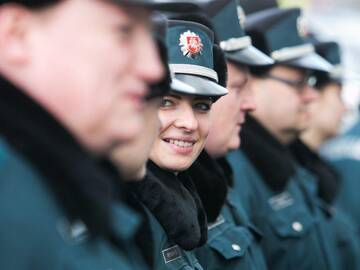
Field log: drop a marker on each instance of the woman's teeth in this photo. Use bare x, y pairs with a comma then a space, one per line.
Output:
181, 143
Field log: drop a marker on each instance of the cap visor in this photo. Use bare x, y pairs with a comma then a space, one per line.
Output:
164, 5
201, 86
250, 56
311, 61
179, 86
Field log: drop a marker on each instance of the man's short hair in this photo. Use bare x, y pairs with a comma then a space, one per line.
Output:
34, 4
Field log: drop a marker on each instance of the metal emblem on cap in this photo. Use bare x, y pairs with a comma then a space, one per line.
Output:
191, 44
241, 16
302, 26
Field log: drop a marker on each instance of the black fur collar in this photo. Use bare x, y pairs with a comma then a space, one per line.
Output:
174, 202
80, 186
328, 179
211, 183
272, 160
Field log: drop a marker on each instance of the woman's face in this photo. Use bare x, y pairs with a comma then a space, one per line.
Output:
185, 122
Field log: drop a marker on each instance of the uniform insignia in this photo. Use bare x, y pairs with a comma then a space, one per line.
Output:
171, 254
281, 201
220, 220
241, 16
73, 232
191, 44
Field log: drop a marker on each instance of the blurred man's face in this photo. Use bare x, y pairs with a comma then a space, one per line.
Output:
327, 111
90, 63
132, 157
228, 113
282, 107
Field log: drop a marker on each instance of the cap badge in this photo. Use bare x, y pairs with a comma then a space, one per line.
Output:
191, 44
302, 27
241, 16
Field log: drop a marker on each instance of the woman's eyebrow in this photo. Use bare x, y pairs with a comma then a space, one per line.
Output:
174, 96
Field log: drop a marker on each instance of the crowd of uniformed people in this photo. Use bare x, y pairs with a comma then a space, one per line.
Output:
170, 134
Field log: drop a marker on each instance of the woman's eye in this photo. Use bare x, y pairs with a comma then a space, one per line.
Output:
202, 106
166, 103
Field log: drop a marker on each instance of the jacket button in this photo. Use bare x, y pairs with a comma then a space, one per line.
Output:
297, 226
236, 247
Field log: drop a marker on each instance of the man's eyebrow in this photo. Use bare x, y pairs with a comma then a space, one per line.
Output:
240, 83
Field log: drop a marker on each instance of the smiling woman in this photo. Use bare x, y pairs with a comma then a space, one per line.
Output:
174, 209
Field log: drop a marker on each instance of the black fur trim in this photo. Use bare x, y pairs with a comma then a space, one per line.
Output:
211, 184
175, 203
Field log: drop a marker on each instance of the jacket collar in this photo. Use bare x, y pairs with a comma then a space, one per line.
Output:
175, 203
328, 179
272, 160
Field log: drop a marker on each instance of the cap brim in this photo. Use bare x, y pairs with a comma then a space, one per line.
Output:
178, 86
310, 61
201, 86
249, 56
164, 5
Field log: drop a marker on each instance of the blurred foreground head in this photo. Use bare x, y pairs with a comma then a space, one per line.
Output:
85, 62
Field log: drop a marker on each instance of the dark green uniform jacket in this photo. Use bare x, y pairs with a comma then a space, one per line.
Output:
295, 233
175, 215
343, 153
326, 186
233, 243
55, 202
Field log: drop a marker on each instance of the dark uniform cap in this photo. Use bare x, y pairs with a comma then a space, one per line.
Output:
331, 52
277, 32
170, 5
191, 58
160, 25
252, 6
228, 19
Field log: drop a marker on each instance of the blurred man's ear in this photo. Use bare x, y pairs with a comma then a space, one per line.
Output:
14, 28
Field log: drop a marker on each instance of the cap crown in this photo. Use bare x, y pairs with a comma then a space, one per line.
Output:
275, 29
330, 51
252, 6
190, 48
228, 19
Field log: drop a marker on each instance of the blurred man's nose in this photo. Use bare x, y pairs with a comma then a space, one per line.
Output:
147, 62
